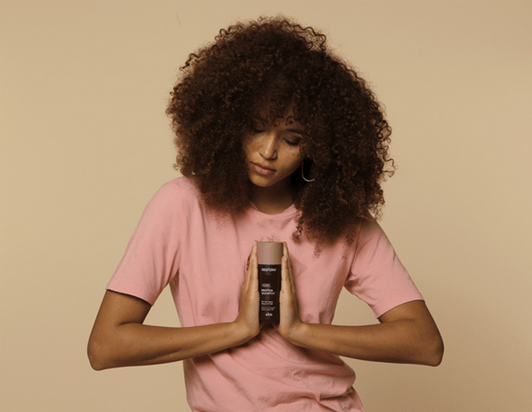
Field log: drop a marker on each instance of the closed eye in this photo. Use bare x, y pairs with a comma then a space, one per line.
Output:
293, 137
293, 142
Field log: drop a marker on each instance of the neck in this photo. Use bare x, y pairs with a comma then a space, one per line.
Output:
271, 200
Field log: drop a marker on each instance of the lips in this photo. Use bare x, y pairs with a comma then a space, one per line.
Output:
262, 169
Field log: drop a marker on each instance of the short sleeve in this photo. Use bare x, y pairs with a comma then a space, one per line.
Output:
377, 276
150, 259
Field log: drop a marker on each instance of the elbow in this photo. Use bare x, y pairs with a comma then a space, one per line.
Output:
438, 353
433, 352
97, 354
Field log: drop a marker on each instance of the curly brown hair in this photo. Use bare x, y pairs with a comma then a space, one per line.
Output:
272, 64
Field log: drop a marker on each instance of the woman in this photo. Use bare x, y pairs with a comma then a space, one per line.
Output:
277, 139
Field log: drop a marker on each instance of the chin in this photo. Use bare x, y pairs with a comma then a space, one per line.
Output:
262, 183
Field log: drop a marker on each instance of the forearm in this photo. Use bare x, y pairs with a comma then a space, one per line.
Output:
406, 333
134, 344
120, 337
401, 341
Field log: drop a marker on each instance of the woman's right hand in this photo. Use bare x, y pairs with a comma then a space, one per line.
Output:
248, 316
120, 338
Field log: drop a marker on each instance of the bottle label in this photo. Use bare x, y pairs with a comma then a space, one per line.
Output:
269, 288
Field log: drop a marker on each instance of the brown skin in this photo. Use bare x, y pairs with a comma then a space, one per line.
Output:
273, 153
213, 108
258, 70
119, 337
405, 334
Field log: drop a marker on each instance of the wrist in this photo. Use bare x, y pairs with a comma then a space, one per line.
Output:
299, 334
241, 332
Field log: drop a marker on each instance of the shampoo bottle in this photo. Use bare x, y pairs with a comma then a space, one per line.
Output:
269, 256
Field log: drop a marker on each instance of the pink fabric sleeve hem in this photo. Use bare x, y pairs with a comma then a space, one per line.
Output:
132, 290
382, 309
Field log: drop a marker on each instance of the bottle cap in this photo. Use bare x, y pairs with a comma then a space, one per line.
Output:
269, 253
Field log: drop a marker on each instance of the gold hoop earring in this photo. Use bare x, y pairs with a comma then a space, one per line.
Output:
303, 174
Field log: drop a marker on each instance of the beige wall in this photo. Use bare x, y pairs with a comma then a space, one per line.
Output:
85, 143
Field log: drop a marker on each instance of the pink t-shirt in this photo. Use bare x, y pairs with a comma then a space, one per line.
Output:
178, 242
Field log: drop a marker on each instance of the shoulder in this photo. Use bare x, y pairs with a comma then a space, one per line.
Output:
181, 186
369, 229
173, 197
181, 189
371, 242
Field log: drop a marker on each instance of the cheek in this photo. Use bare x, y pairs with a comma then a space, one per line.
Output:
247, 146
295, 161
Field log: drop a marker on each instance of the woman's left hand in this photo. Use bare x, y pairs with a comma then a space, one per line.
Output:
405, 334
289, 320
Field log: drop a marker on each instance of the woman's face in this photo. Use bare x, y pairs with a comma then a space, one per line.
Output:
273, 151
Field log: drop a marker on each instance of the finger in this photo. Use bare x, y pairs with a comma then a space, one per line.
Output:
247, 269
284, 271
286, 279
285, 252
288, 268
252, 265
254, 272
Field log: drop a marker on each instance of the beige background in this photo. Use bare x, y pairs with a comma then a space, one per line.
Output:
85, 144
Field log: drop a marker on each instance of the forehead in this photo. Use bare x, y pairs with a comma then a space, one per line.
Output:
278, 117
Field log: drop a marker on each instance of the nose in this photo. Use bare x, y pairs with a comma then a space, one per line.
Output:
268, 148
